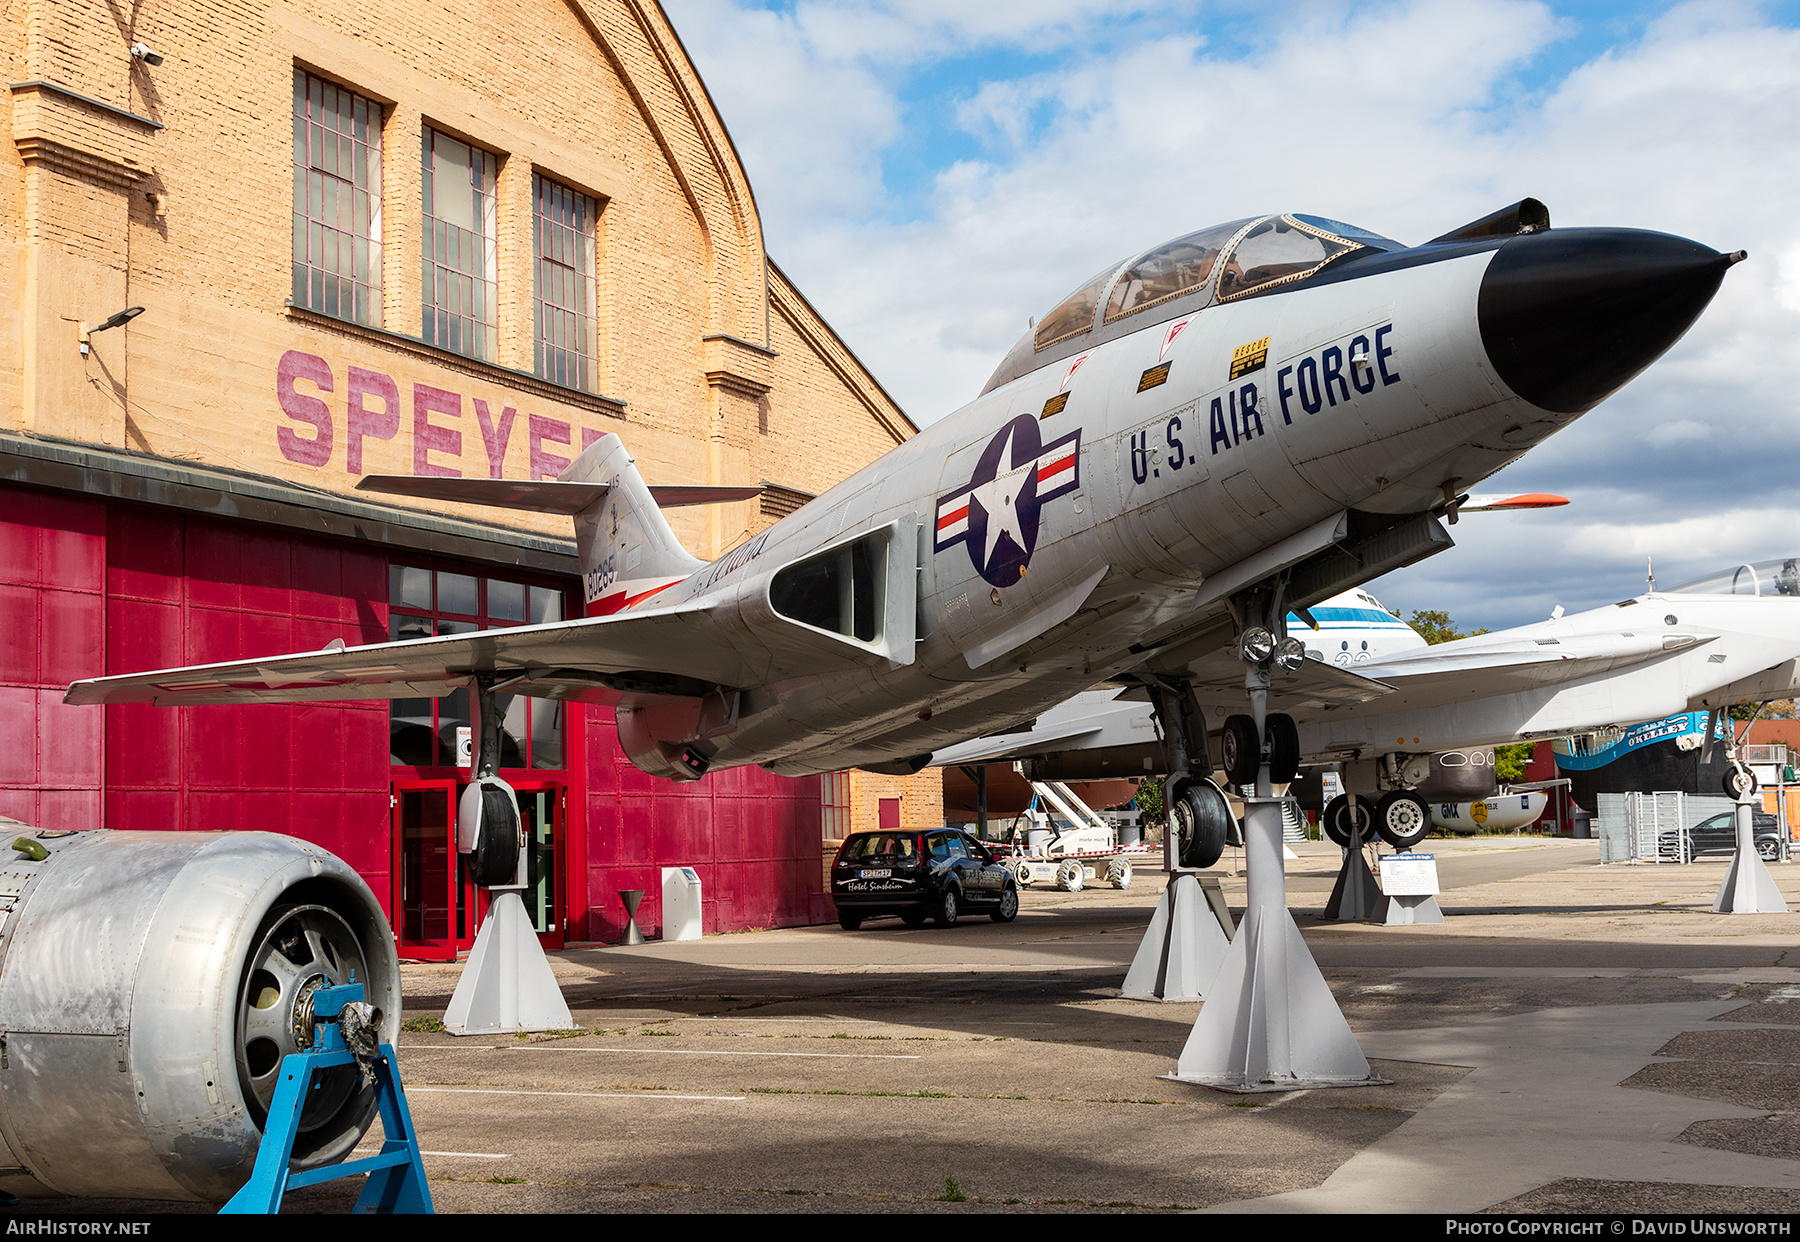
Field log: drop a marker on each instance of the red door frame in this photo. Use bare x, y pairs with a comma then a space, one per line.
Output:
422, 946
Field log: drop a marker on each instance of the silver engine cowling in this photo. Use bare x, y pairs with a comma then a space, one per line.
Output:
150, 984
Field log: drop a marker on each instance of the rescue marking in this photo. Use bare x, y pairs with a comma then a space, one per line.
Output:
1174, 330
1056, 405
1248, 358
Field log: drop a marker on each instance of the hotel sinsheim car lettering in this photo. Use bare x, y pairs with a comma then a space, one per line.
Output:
939, 875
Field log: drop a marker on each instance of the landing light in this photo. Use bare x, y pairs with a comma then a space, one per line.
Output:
1256, 645
1290, 654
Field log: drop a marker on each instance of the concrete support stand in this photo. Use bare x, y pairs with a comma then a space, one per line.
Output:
1400, 911
1185, 944
507, 984
1270, 1022
1748, 886
1355, 895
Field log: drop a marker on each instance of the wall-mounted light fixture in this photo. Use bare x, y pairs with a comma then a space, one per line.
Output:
112, 321
151, 57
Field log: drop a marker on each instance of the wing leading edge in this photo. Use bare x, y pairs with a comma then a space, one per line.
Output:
644, 649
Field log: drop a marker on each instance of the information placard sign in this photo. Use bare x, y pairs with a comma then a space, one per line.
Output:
1409, 875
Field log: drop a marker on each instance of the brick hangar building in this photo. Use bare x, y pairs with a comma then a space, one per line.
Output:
463, 238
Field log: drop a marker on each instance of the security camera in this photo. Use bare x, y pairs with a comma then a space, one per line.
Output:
141, 52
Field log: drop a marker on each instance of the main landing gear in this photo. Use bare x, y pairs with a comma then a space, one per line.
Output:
1400, 818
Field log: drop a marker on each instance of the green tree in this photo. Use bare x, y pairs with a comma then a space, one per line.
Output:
1510, 761
1150, 797
1436, 627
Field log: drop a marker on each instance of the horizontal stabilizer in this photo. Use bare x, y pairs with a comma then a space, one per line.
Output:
541, 496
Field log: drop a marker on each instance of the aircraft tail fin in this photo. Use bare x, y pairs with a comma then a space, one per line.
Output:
626, 547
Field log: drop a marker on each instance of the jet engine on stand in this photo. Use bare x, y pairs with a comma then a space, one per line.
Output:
150, 984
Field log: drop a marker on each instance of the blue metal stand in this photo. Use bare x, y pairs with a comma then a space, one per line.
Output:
396, 1175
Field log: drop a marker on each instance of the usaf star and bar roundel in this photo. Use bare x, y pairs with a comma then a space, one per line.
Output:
996, 515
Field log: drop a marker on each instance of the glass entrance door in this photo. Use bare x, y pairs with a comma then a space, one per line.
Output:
424, 870
540, 812
437, 909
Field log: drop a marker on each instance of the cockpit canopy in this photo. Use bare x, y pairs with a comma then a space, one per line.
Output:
1224, 263
1778, 577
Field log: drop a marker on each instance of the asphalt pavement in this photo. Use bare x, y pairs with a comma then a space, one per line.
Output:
1573, 1038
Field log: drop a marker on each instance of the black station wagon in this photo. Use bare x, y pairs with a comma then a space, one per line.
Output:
939, 875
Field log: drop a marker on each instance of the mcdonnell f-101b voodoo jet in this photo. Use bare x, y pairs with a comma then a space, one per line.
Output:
1198, 440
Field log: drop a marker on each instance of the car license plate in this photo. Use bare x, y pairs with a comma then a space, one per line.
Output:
875, 873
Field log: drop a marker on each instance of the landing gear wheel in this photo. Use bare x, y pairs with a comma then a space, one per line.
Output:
495, 858
300, 949
1345, 812
1071, 876
946, 911
1739, 781
848, 921
1199, 817
1284, 749
913, 918
1240, 750
1118, 873
1008, 910
1402, 818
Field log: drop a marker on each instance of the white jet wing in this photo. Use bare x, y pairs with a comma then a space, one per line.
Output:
674, 650
1461, 670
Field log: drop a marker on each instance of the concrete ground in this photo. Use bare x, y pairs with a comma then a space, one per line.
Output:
1572, 1038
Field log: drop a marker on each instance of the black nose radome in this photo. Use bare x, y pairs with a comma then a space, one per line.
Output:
1569, 315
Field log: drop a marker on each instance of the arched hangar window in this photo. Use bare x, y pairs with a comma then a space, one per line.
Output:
1278, 250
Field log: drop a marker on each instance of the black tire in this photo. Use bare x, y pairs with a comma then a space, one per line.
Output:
1337, 821
947, 908
1768, 850
1284, 749
848, 921
495, 858
1240, 750
1402, 818
1008, 909
1738, 782
1200, 818
913, 918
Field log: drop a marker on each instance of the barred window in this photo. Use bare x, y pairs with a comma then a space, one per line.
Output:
562, 230
337, 200
834, 805
459, 274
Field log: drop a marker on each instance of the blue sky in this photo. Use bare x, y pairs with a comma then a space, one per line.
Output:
933, 172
